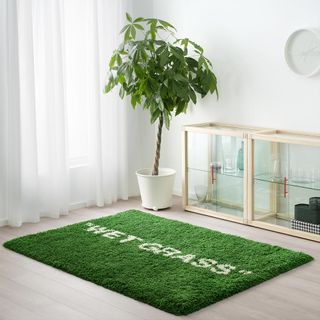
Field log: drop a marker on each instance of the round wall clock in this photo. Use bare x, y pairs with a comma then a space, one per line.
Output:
302, 52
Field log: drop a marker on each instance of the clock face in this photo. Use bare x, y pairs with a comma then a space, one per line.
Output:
302, 52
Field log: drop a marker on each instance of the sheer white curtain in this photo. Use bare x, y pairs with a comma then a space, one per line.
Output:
108, 118
36, 90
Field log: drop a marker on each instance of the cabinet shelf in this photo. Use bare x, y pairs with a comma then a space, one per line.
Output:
238, 174
278, 221
212, 206
311, 185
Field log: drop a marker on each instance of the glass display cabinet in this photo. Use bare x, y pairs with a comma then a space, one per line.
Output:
284, 182
264, 178
215, 170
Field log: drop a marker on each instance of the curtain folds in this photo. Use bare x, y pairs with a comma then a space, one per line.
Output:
35, 114
107, 125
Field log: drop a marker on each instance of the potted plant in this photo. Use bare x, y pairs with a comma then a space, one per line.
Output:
162, 73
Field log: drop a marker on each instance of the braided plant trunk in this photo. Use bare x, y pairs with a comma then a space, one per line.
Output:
155, 170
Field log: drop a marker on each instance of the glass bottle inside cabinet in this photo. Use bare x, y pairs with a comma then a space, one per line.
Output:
215, 173
286, 184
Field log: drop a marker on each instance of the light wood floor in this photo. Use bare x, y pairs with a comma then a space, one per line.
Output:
31, 290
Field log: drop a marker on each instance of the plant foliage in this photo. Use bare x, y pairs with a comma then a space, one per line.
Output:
160, 72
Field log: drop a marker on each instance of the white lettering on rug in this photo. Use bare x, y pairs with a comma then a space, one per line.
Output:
158, 249
113, 234
204, 263
186, 259
153, 247
169, 252
130, 238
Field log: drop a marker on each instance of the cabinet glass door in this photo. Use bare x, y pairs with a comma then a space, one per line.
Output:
215, 169
286, 184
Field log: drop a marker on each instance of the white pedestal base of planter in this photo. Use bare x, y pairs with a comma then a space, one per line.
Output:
156, 191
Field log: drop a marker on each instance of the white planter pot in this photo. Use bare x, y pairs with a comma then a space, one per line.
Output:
156, 191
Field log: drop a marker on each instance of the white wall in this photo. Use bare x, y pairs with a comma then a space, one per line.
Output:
244, 40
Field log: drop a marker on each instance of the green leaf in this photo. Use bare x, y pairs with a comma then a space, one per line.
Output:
139, 71
161, 43
112, 61
180, 90
142, 86
160, 49
167, 118
144, 54
185, 42
109, 86
140, 19
193, 96
154, 86
146, 104
127, 35
209, 62
162, 28
180, 107
197, 88
124, 28
121, 93
148, 89
192, 63
163, 91
133, 101
123, 52
213, 82
167, 24
133, 32
122, 68
153, 29
201, 61
196, 46
160, 103
155, 115
180, 77
121, 79
164, 57
151, 20
119, 60
138, 26
128, 17
177, 52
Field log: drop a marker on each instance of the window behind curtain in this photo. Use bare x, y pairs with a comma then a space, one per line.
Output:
76, 65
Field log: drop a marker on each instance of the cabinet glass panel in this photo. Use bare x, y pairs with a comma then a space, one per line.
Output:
287, 184
216, 173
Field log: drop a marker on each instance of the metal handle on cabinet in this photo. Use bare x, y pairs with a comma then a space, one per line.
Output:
285, 192
213, 178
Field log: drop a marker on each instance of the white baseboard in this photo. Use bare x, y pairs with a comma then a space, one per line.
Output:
77, 205
177, 192
3, 222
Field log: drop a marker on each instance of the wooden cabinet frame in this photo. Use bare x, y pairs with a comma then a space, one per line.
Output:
249, 135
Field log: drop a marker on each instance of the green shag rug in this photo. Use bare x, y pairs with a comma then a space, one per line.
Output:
173, 266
